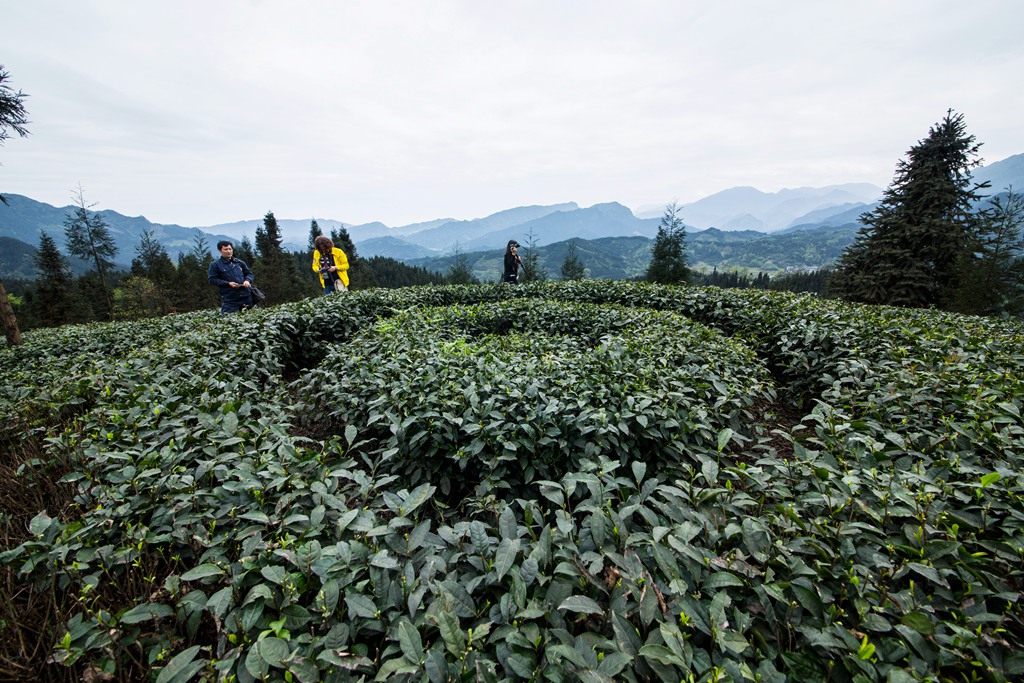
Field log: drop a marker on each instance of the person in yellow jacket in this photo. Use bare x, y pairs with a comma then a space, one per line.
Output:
331, 264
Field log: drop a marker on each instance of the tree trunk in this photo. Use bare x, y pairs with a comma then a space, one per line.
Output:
10, 322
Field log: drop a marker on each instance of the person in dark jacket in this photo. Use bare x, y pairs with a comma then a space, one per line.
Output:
232, 277
512, 262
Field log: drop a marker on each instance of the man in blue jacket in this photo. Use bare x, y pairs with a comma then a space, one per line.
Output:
232, 277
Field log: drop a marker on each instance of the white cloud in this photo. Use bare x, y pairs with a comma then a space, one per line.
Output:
197, 113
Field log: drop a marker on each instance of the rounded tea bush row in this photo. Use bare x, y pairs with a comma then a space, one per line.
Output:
503, 395
222, 510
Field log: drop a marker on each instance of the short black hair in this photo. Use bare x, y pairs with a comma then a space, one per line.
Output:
224, 243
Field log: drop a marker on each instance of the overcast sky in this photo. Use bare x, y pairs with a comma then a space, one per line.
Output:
204, 112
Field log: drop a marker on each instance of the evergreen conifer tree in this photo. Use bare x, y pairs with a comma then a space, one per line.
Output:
992, 274
668, 253
459, 272
314, 232
88, 237
572, 266
244, 251
278, 275
12, 117
152, 260
531, 269
53, 286
154, 263
912, 246
360, 274
192, 289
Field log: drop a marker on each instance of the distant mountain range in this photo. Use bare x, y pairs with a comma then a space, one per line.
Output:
741, 215
24, 219
747, 208
627, 257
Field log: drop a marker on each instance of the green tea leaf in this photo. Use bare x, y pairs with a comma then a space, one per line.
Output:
361, 606
505, 556
201, 572
451, 633
661, 654
146, 612
920, 622
272, 650
182, 667
581, 604
420, 495
990, 478
410, 642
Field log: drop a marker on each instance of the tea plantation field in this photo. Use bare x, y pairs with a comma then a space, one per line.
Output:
591, 481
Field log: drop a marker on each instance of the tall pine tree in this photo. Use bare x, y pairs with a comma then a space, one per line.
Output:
277, 276
244, 251
992, 273
572, 266
270, 259
459, 272
668, 253
88, 237
192, 290
152, 260
314, 232
153, 263
360, 274
531, 269
53, 286
912, 246
12, 117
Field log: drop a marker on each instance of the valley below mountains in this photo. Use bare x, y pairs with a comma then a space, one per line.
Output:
741, 229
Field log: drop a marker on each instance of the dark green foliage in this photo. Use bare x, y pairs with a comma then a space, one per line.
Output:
177, 509
992, 274
459, 272
309, 284
17, 260
360, 274
245, 251
152, 290
502, 359
911, 247
531, 269
138, 297
811, 282
152, 261
88, 237
668, 254
192, 290
731, 279
572, 266
275, 271
51, 302
800, 250
314, 232
814, 282
13, 116
390, 273
342, 240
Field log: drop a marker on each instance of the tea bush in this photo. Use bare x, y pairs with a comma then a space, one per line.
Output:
701, 485
504, 395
